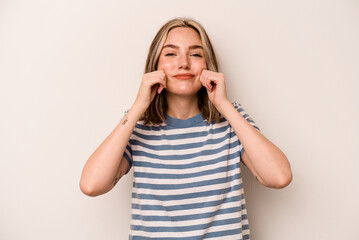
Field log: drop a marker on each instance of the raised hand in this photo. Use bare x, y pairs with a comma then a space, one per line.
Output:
151, 83
216, 88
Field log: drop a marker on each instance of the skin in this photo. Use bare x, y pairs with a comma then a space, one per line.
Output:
182, 54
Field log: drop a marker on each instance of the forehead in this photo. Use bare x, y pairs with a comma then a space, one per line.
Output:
183, 36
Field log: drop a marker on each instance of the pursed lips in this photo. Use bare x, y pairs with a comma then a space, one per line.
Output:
184, 76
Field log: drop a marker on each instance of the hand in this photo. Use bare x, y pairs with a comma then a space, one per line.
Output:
216, 89
151, 83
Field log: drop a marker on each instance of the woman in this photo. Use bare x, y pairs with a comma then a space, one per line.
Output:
185, 140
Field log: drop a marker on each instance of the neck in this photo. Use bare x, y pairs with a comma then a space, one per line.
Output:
182, 107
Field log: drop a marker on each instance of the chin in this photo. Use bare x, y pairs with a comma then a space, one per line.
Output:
183, 90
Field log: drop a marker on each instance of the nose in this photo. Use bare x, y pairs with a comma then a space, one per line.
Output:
183, 62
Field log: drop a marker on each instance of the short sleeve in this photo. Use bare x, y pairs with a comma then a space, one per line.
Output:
128, 152
240, 109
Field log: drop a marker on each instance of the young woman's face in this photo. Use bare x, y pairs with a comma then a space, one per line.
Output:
182, 60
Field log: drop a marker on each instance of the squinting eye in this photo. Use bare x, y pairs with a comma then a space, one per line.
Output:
197, 55
170, 54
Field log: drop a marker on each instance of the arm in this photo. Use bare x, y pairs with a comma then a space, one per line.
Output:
265, 160
107, 164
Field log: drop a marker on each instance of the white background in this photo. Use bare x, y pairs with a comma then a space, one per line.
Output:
69, 69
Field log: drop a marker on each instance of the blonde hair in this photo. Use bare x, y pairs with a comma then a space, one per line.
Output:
156, 112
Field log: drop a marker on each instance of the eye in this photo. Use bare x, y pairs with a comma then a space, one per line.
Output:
169, 54
197, 55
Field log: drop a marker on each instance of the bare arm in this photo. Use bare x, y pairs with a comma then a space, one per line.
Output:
107, 164
265, 160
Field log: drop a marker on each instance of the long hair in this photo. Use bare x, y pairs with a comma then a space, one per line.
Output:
156, 112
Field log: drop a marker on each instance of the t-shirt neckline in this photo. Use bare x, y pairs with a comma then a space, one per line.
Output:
192, 121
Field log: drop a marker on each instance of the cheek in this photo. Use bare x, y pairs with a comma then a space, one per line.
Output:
199, 67
164, 65
204, 65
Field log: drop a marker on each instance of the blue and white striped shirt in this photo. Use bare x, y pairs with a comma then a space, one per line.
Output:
187, 180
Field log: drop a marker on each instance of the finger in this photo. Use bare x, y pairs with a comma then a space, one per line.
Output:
203, 79
208, 84
159, 79
207, 79
162, 75
205, 83
165, 80
205, 71
162, 83
160, 88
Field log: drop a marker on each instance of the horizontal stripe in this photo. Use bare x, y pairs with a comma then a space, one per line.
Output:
145, 164
177, 140
246, 237
164, 146
190, 222
192, 148
190, 206
186, 228
198, 159
187, 195
191, 166
201, 199
175, 192
235, 233
186, 185
196, 171
182, 212
189, 175
185, 156
186, 217
201, 233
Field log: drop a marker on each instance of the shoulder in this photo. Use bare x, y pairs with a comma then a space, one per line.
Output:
240, 109
243, 112
237, 106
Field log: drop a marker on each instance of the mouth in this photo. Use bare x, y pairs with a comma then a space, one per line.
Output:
184, 76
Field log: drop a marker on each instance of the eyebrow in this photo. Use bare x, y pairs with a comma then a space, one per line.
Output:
176, 47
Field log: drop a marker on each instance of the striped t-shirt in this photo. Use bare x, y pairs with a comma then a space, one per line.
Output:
187, 180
